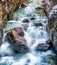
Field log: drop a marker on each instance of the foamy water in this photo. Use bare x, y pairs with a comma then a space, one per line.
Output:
34, 36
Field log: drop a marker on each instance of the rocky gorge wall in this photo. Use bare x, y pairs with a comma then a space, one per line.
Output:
3, 19
51, 11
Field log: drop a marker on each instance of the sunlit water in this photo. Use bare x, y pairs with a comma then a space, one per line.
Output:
34, 36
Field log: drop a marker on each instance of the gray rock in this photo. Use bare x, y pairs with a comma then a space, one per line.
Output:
18, 43
43, 47
25, 20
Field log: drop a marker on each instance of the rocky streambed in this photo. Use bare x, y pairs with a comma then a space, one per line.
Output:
26, 39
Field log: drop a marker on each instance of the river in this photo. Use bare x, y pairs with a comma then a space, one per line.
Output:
33, 35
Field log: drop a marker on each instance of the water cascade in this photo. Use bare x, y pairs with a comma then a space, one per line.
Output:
36, 35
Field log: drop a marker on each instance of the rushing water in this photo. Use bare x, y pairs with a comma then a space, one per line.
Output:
34, 36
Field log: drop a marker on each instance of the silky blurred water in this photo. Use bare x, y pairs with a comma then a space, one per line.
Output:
34, 35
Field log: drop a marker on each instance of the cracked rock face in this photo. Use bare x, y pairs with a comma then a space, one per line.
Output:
54, 35
53, 13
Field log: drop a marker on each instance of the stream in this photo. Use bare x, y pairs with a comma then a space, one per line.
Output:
34, 36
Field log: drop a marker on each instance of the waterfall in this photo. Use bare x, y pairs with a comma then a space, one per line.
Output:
4, 37
34, 35
5, 48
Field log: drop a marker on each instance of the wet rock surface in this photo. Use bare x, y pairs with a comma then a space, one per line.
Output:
43, 47
17, 41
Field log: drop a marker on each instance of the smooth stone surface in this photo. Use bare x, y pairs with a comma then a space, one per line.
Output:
43, 47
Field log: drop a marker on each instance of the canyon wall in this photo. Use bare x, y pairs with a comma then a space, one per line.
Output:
3, 19
0, 23
50, 7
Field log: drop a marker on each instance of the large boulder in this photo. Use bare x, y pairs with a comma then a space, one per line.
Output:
18, 42
43, 47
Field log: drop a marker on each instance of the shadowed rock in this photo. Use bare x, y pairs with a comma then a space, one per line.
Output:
31, 16
25, 23
49, 42
38, 24
38, 8
25, 20
43, 47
